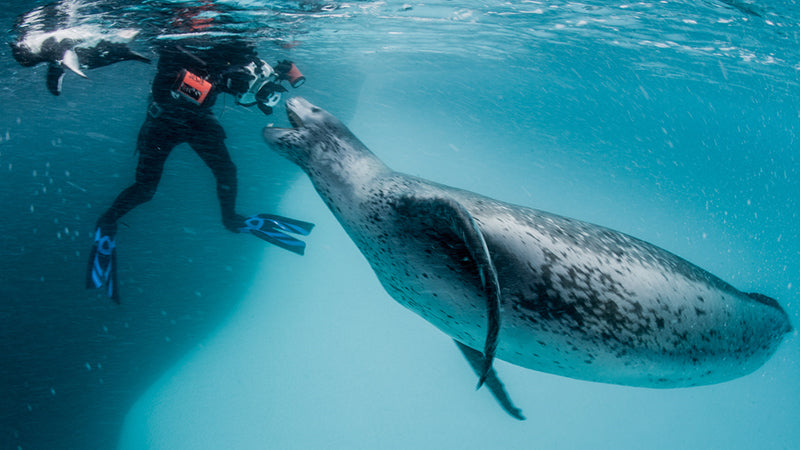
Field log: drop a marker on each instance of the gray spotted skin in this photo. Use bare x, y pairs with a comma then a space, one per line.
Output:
577, 299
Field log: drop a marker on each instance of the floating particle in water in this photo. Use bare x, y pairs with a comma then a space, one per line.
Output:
53, 392
88, 367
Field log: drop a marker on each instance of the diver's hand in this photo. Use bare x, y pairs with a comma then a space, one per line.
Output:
236, 82
269, 96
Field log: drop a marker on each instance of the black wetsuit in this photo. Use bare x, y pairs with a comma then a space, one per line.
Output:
172, 120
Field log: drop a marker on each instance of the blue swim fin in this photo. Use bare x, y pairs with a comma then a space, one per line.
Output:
273, 229
102, 269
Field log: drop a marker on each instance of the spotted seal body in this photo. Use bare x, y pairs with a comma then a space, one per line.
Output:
575, 299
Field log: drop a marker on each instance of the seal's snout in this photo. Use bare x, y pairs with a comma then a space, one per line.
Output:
294, 107
294, 119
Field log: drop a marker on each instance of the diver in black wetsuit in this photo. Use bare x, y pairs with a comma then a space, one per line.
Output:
190, 77
174, 118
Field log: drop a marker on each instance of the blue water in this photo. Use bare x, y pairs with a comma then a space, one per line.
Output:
676, 122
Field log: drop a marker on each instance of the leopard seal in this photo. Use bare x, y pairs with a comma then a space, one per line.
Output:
535, 289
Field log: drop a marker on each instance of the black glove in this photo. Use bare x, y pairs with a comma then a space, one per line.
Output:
268, 96
236, 81
283, 68
287, 71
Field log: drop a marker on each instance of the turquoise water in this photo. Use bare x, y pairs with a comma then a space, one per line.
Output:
675, 122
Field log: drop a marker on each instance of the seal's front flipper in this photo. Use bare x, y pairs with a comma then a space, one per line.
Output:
494, 384
444, 211
273, 229
102, 269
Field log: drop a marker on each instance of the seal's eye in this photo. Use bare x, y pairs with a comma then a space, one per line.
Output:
315, 110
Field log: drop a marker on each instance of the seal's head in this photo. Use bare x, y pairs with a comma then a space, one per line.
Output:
315, 134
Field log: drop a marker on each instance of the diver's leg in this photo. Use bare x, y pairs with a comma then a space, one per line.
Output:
210, 146
154, 145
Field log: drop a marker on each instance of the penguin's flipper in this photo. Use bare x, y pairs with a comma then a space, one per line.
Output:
136, 56
55, 75
72, 63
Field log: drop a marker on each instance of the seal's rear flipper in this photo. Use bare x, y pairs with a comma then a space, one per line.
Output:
446, 212
494, 384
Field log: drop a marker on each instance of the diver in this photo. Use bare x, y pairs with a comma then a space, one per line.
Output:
190, 76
